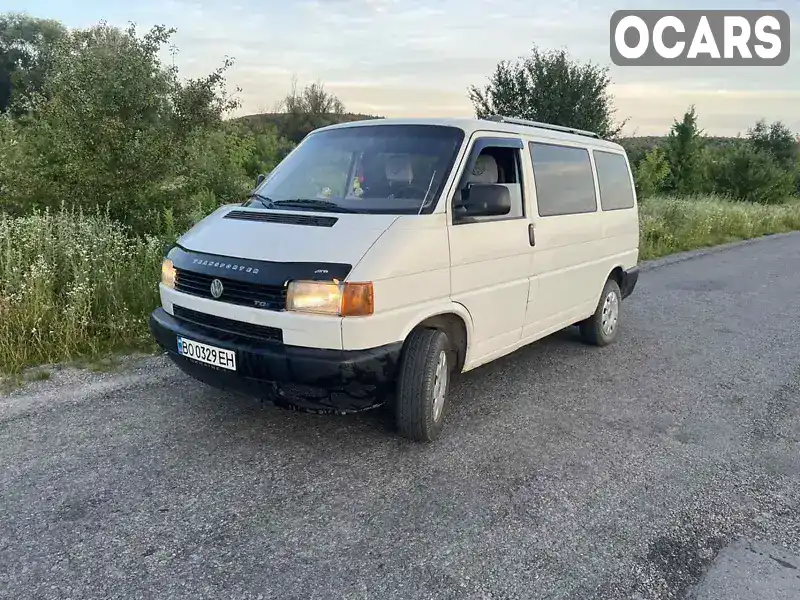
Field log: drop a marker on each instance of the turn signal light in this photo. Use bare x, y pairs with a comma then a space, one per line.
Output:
358, 300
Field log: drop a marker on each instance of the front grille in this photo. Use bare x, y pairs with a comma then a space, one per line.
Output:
221, 324
269, 297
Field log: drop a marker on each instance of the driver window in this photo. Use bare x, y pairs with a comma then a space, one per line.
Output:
498, 165
327, 177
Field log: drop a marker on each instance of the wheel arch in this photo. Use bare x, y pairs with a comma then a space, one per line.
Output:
456, 322
618, 275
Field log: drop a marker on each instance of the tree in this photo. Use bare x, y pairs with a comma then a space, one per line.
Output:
312, 100
777, 140
550, 87
308, 109
27, 47
114, 128
683, 149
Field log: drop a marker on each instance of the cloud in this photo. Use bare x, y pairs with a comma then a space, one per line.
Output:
415, 57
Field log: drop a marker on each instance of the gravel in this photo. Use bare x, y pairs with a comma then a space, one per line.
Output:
564, 470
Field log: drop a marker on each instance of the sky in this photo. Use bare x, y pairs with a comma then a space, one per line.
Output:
406, 58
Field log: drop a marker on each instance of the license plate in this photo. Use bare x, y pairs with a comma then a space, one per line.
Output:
210, 355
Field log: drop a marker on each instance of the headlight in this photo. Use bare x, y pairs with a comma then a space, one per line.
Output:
330, 298
168, 273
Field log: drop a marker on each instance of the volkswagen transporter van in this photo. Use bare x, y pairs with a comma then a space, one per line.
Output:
382, 257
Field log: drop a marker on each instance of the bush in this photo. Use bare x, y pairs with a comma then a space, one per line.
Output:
9, 154
268, 150
651, 173
746, 173
116, 130
73, 284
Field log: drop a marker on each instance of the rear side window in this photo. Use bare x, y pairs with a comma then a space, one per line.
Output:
563, 179
616, 191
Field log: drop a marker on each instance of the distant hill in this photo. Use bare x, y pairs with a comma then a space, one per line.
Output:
278, 119
295, 127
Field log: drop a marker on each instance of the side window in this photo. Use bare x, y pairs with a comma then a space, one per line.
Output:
563, 179
616, 191
495, 165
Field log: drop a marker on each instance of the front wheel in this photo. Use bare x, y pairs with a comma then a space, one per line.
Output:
601, 328
423, 385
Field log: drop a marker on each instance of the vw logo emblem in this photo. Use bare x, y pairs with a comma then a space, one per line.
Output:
216, 288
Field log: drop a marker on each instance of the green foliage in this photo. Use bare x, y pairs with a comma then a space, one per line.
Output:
26, 55
650, 173
670, 224
637, 147
550, 87
777, 140
114, 129
683, 149
73, 284
748, 173
107, 120
269, 146
9, 153
764, 167
214, 162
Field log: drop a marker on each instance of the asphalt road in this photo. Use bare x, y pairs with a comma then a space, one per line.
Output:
564, 471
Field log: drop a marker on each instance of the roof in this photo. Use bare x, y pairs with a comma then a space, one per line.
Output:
470, 125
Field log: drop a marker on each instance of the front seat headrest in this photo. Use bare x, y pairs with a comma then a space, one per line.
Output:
398, 168
485, 170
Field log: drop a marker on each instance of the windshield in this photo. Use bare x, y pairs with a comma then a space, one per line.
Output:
398, 169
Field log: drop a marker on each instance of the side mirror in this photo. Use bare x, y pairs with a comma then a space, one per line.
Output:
485, 200
260, 179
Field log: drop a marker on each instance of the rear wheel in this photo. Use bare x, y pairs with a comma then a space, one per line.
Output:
601, 328
423, 385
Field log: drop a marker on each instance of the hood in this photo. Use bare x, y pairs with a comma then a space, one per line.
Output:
286, 235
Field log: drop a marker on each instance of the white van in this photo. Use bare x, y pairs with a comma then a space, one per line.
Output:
382, 257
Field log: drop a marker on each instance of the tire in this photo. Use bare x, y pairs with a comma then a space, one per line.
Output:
418, 416
592, 329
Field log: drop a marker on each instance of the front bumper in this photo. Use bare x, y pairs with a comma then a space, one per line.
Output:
299, 378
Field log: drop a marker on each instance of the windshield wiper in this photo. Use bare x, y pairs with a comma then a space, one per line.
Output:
265, 202
302, 203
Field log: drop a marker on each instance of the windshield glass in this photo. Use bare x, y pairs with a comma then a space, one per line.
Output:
396, 169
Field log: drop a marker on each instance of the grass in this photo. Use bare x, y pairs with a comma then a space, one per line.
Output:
669, 225
78, 286
73, 285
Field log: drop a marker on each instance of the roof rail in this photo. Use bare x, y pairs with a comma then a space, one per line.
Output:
515, 121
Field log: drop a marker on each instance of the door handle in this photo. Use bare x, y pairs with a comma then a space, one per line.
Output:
531, 235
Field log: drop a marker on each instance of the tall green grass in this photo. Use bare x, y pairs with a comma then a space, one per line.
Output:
76, 285
72, 285
669, 224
